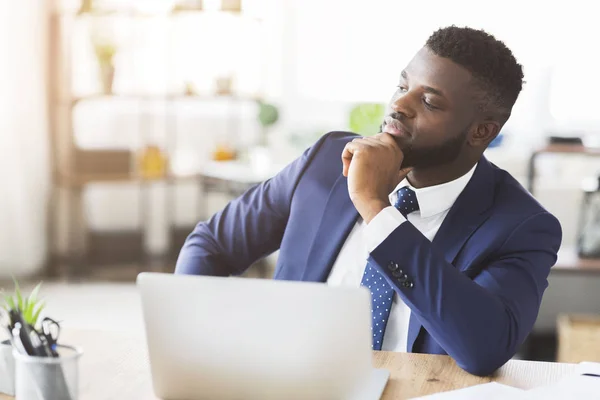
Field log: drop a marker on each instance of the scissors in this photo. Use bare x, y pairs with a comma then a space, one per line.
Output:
49, 334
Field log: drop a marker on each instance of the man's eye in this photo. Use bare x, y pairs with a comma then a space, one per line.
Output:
429, 105
401, 88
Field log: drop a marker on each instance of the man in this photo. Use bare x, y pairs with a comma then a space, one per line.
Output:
454, 251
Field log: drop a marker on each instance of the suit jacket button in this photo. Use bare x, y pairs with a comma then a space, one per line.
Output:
397, 274
392, 266
403, 278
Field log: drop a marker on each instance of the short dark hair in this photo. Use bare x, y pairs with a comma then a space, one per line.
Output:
492, 64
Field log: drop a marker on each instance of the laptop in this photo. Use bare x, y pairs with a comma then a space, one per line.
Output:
240, 338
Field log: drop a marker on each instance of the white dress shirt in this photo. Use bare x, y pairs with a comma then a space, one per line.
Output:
349, 267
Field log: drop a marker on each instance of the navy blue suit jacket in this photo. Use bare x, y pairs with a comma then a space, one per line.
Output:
477, 286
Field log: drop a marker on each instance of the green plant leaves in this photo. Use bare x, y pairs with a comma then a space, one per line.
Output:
18, 293
36, 314
365, 119
10, 302
33, 295
29, 307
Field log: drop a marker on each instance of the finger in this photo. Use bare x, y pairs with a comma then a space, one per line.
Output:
347, 155
365, 141
373, 143
353, 147
345, 167
371, 140
348, 151
387, 138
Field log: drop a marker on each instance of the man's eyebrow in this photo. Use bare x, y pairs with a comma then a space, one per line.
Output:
435, 91
427, 89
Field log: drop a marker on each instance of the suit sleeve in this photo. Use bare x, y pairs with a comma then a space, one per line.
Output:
247, 229
479, 316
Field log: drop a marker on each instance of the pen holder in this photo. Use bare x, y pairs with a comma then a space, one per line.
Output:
48, 378
7, 368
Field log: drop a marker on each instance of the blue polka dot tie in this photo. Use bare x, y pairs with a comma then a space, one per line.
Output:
382, 293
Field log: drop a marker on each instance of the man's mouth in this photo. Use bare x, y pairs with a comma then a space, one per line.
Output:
395, 128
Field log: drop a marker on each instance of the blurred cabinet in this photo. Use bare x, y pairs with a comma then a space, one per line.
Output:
134, 59
578, 338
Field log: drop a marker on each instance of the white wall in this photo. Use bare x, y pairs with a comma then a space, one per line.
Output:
24, 171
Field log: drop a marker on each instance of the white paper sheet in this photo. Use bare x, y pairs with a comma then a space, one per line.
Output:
583, 384
487, 391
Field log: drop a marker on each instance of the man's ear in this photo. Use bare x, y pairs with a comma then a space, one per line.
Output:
484, 132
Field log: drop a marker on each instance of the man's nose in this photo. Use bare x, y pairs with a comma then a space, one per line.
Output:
403, 105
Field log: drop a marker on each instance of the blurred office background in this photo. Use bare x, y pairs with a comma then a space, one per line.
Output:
125, 122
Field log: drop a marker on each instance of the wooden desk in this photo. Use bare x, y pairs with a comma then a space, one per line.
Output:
115, 366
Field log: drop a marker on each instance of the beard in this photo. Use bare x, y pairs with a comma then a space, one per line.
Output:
433, 156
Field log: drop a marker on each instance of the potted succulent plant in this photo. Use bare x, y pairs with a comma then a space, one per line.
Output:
30, 307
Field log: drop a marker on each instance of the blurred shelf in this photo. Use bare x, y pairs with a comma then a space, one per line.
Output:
568, 149
239, 171
79, 180
74, 168
156, 97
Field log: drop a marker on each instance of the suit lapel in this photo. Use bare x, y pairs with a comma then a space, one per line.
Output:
465, 216
339, 217
467, 213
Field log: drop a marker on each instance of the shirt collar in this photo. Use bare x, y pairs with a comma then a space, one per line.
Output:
436, 199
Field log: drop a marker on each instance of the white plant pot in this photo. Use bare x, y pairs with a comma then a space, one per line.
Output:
7, 369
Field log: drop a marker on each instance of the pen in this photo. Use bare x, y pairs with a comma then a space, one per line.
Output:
6, 323
28, 336
15, 339
37, 343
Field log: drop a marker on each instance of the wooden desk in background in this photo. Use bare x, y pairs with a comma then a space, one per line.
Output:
115, 366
